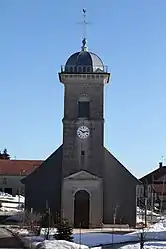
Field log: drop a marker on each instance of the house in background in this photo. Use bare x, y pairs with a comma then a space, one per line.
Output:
155, 184
11, 173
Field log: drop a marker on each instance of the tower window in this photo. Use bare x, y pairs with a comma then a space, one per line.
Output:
83, 109
82, 153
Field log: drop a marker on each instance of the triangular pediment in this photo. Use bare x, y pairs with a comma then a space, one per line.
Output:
82, 175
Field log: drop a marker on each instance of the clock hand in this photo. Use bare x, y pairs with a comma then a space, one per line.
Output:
84, 131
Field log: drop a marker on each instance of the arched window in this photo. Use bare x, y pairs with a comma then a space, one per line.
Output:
80, 69
71, 70
75, 69
88, 69
84, 106
84, 69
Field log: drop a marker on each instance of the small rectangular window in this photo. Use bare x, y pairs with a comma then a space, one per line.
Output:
4, 180
83, 109
82, 153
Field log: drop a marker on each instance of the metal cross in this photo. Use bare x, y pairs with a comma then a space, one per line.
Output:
84, 23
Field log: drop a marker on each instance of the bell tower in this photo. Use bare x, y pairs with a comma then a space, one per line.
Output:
84, 76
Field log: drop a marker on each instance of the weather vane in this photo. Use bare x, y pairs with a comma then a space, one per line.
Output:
84, 23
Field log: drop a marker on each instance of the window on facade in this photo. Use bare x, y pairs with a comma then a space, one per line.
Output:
75, 69
88, 69
71, 70
82, 153
83, 109
4, 180
80, 69
82, 158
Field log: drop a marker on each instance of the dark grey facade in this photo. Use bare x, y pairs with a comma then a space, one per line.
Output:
119, 192
43, 182
82, 174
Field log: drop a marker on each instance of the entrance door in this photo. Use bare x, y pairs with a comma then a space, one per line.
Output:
81, 209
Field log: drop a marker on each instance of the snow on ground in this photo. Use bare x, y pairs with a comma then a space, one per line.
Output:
156, 234
97, 239
44, 231
10, 198
60, 244
151, 216
37, 242
149, 212
22, 231
9, 210
11, 203
147, 245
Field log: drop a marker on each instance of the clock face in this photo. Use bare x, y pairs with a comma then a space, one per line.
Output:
83, 132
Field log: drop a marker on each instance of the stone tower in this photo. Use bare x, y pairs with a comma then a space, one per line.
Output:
84, 76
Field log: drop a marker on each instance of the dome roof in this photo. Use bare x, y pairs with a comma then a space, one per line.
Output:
84, 61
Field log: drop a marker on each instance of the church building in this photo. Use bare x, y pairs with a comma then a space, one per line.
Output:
82, 181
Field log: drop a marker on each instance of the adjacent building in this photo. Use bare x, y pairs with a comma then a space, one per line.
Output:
11, 173
156, 181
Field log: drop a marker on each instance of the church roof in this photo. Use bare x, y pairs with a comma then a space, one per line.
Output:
18, 167
154, 175
84, 58
89, 60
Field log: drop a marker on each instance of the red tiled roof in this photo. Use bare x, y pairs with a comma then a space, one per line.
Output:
18, 167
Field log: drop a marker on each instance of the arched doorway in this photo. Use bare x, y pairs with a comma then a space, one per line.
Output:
81, 209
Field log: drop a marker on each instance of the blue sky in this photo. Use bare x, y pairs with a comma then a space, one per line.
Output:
36, 37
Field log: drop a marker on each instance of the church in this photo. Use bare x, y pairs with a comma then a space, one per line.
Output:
82, 181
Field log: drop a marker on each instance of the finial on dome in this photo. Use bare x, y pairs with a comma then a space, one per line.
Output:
84, 45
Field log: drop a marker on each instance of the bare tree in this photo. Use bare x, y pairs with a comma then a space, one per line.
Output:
142, 236
115, 214
30, 219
